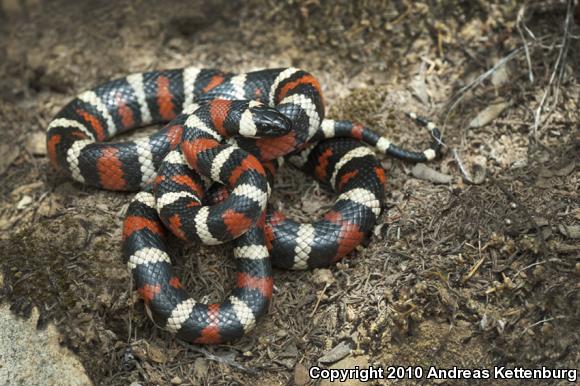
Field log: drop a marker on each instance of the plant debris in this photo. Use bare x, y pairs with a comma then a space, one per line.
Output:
480, 269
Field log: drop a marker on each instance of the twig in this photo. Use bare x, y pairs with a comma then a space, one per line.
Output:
458, 97
541, 322
319, 299
130, 325
558, 71
474, 269
461, 166
529, 266
521, 14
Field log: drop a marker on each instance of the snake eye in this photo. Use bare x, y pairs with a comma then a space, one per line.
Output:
270, 122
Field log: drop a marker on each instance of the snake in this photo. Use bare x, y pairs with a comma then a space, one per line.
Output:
207, 173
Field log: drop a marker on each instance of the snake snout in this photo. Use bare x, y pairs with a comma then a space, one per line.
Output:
270, 122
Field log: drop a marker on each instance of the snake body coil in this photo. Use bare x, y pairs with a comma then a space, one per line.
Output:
228, 129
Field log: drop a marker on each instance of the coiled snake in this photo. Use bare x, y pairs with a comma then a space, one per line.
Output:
229, 129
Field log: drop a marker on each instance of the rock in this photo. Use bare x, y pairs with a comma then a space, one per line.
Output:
286, 362
37, 358
350, 362
420, 89
336, 353
301, 376
288, 357
36, 143
176, 381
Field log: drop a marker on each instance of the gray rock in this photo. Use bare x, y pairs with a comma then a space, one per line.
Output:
336, 353
32, 357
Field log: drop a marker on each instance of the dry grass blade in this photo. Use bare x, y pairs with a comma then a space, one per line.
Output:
521, 13
558, 71
458, 97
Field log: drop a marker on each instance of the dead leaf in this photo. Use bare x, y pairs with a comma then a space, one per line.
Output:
26, 189
7, 155
420, 89
156, 354
426, 173
571, 231
500, 76
488, 114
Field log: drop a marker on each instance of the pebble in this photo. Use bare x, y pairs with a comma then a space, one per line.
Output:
301, 376
24, 202
36, 144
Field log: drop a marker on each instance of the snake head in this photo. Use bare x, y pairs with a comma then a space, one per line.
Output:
270, 122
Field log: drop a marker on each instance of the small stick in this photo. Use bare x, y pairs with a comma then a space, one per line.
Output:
473, 270
461, 166
319, 299
521, 14
458, 97
558, 70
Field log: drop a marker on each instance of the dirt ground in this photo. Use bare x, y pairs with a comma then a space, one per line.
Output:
479, 271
